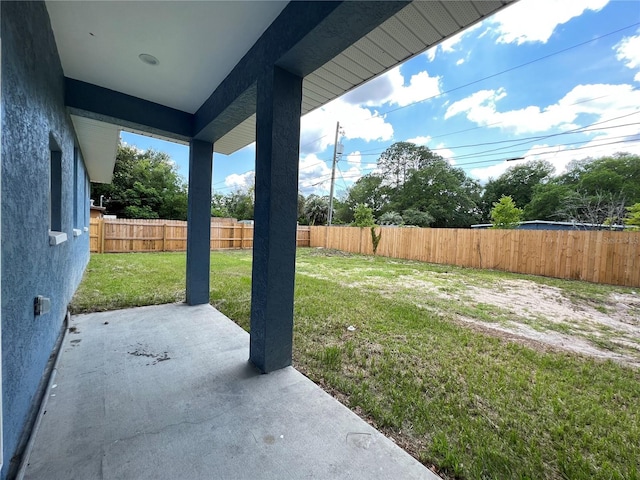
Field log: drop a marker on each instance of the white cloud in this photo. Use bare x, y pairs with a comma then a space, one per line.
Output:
240, 181
420, 140
391, 88
349, 177
354, 158
559, 156
440, 148
314, 175
536, 20
460, 62
600, 100
356, 110
628, 51
318, 128
483, 174
445, 153
604, 143
451, 44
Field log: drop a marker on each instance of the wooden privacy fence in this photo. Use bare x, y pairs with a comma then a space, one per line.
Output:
594, 256
125, 235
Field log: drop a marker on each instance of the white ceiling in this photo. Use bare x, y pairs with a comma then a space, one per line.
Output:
197, 43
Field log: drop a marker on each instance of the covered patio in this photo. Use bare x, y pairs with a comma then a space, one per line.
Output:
218, 88
166, 392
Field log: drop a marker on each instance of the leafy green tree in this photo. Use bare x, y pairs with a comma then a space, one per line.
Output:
505, 214
240, 204
546, 201
219, 206
417, 218
401, 159
146, 184
302, 220
518, 182
442, 191
367, 190
342, 212
363, 216
617, 175
316, 209
633, 216
390, 218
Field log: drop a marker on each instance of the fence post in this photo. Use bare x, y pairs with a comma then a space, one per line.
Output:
242, 236
164, 237
101, 235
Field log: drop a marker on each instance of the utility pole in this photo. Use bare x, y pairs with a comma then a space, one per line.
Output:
333, 174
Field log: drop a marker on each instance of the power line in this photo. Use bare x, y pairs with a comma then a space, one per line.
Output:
531, 152
544, 57
500, 149
526, 140
493, 75
324, 178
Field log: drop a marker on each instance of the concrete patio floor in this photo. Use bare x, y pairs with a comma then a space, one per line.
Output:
166, 392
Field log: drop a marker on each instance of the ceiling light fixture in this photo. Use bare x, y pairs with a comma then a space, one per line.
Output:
148, 59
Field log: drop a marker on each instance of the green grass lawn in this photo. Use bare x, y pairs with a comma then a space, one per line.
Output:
471, 404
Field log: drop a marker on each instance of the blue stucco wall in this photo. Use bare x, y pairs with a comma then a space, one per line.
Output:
33, 109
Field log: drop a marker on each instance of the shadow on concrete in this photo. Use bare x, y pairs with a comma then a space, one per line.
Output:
167, 392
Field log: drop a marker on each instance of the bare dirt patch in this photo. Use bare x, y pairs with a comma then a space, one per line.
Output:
542, 316
605, 329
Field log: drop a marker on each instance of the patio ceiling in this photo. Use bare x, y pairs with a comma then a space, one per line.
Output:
210, 54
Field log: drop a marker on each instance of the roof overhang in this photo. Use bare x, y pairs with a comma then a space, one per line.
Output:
211, 54
98, 144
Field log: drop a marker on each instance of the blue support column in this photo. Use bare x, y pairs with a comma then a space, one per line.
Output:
274, 246
199, 222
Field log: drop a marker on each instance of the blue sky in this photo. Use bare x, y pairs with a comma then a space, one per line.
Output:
570, 90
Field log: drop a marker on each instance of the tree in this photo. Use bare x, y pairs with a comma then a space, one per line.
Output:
416, 218
301, 218
633, 216
390, 218
369, 191
240, 204
401, 159
505, 214
316, 209
618, 174
518, 182
603, 208
363, 216
219, 206
146, 184
546, 201
443, 192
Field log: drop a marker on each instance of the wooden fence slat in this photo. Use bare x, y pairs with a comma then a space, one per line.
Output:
143, 235
595, 256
